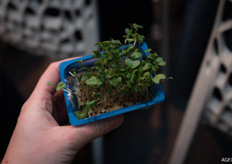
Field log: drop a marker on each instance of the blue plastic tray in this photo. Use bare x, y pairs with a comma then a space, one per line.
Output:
88, 61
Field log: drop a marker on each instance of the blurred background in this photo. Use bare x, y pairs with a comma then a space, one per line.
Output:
194, 123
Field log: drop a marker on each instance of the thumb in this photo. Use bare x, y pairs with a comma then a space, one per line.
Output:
82, 135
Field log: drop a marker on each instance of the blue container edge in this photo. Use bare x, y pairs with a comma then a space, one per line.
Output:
159, 96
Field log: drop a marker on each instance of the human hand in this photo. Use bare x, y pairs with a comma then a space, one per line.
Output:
38, 138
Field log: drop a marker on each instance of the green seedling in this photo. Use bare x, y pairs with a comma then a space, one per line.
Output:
122, 76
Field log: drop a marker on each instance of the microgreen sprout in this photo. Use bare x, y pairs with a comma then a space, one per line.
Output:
59, 86
123, 75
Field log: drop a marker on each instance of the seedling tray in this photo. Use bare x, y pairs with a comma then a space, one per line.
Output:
71, 101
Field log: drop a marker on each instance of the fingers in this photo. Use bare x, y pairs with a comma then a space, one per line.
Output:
84, 134
102, 127
50, 75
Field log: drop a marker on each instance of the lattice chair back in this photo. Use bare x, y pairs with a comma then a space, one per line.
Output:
56, 28
218, 64
211, 98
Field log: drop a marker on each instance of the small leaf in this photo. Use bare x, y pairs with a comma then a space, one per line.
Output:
109, 73
148, 50
127, 31
158, 77
84, 77
60, 86
130, 40
95, 94
146, 74
152, 56
50, 83
129, 84
130, 48
132, 64
147, 66
163, 63
136, 88
107, 55
141, 38
136, 55
93, 81
136, 26
133, 76
159, 59
85, 109
116, 81
129, 75
79, 61
128, 62
79, 115
98, 43
122, 53
135, 63
96, 54
90, 104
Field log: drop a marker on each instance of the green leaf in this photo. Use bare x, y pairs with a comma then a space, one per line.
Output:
98, 43
132, 64
96, 54
130, 40
122, 53
109, 73
130, 48
60, 86
128, 62
147, 66
79, 61
152, 56
158, 77
146, 75
133, 76
159, 59
80, 115
141, 38
50, 83
115, 66
127, 31
136, 26
135, 63
136, 55
96, 94
136, 88
90, 104
93, 81
129, 75
148, 50
84, 77
85, 109
107, 55
128, 83
116, 81
163, 63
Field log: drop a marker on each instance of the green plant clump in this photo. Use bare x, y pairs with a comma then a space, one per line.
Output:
121, 77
